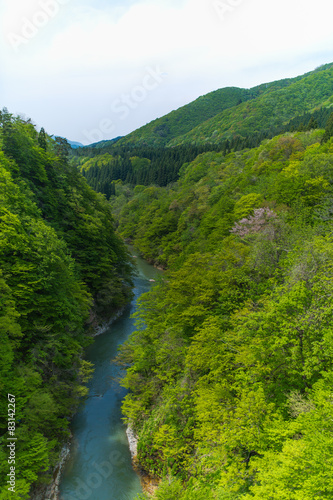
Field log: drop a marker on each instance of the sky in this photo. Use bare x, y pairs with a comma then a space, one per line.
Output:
92, 70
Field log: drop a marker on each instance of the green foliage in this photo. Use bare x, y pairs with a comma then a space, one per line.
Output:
299, 463
159, 132
42, 141
134, 165
246, 204
291, 172
329, 129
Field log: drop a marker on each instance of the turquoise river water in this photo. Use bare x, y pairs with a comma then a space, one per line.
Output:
99, 466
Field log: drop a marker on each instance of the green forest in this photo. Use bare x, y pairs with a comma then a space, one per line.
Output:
230, 370
63, 271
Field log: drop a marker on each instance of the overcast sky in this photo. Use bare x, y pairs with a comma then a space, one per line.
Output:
92, 70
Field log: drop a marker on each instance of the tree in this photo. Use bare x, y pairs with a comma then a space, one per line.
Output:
328, 130
62, 148
42, 139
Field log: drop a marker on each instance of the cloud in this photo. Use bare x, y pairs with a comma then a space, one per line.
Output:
90, 52
81, 36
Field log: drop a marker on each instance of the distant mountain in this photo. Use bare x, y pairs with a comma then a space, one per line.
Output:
102, 144
74, 144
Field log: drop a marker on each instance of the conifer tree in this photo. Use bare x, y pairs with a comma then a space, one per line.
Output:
328, 130
42, 139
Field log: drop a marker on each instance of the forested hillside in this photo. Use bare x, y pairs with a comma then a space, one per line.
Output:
207, 114
62, 271
133, 166
180, 121
231, 111
226, 120
230, 370
267, 112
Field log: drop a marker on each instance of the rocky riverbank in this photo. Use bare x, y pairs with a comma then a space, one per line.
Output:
149, 484
100, 329
51, 492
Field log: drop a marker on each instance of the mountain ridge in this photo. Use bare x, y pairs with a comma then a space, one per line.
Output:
165, 130
303, 92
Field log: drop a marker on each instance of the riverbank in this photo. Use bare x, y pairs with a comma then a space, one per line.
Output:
148, 483
100, 463
151, 262
51, 491
100, 329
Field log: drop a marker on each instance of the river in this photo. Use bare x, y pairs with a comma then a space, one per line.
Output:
99, 466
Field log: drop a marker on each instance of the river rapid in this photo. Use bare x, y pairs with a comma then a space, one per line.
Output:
99, 466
